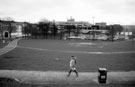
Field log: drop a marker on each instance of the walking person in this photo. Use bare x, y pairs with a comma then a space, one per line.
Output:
72, 66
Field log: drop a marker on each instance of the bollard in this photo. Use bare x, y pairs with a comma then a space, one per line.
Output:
102, 77
3, 41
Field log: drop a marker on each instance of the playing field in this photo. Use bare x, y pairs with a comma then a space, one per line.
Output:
54, 55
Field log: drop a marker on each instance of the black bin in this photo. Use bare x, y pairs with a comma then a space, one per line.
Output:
102, 76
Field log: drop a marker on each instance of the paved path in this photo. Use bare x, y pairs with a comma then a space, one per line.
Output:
52, 77
9, 47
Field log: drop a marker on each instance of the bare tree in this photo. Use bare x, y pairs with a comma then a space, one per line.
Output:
7, 19
44, 20
44, 27
113, 30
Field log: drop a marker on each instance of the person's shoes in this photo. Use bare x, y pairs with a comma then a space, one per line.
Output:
77, 75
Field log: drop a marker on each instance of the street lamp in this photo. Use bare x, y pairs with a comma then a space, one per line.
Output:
93, 19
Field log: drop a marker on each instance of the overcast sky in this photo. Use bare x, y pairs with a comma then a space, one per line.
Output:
110, 11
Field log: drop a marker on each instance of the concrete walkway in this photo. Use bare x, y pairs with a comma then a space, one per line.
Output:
53, 77
9, 47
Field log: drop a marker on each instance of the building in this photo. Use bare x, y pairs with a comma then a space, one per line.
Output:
82, 29
18, 31
101, 24
10, 29
71, 27
95, 33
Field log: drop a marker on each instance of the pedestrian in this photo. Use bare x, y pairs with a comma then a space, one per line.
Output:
72, 66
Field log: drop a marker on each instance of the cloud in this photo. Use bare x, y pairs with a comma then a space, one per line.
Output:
103, 10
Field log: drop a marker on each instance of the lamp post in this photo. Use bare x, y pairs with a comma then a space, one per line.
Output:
93, 19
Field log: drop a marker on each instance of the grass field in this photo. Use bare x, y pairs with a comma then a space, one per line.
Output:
54, 55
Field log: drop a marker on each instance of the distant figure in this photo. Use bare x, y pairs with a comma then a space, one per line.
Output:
72, 66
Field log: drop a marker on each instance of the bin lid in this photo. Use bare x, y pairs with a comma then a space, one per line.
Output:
102, 69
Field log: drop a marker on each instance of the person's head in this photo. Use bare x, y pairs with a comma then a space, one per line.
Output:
73, 57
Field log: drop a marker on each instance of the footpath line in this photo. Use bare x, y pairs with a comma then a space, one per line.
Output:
83, 52
58, 77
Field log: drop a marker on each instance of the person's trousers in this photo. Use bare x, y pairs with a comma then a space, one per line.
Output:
73, 71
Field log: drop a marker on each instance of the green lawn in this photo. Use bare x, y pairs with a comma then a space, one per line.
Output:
54, 55
74, 45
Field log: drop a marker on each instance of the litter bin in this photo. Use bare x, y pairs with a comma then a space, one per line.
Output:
102, 76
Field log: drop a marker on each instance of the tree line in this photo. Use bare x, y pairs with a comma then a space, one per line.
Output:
44, 30
49, 30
